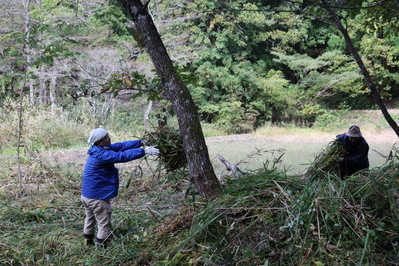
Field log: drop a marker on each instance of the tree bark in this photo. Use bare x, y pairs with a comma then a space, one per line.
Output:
201, 170
42, 90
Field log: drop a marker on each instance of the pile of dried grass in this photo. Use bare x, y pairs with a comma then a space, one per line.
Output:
271, 218
170, 145
326, 162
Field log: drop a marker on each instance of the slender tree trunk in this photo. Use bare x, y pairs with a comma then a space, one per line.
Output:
42, 90
147, 115
27, 52
31, 93
364, 71
52, 95
19, 142
199, 164
336, 22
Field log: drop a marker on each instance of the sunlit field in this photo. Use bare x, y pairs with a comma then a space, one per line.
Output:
297, 147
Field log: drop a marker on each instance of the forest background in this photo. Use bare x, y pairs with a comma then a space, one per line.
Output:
244, 68
70, 66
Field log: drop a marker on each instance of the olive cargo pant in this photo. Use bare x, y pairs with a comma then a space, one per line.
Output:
97, 212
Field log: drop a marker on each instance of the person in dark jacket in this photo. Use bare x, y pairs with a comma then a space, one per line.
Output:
357, 149
100, 181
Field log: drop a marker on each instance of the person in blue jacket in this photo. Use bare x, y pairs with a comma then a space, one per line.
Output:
357, 149
100, 181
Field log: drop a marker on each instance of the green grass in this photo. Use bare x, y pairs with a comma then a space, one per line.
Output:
269, 216
265, 217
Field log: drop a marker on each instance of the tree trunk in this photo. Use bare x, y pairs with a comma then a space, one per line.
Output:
199, 164
53, 102
147, 115
42, 90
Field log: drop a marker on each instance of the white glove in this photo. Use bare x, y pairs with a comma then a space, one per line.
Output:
152, 151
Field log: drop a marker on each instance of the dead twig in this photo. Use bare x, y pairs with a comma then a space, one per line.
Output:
231, 167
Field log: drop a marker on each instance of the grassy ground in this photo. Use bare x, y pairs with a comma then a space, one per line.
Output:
267, 218
251, 151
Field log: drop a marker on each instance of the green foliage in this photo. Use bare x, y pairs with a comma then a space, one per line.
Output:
135, 82
370, 32
170, 144
233, 70
331, 74
380, 51
232, 64
269, 66
112, 18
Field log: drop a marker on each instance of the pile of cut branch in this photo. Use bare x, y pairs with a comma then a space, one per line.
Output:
170, 144
326, 162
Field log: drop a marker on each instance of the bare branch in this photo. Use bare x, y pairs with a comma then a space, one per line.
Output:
230, 167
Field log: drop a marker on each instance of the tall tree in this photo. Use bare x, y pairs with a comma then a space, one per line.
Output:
201, 170
333, 12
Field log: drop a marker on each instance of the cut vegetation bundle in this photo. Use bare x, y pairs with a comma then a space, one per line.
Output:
269, 218
326, 162
170, 144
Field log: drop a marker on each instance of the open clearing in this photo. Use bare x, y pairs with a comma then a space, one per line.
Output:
297, 146
299, 149
251, 151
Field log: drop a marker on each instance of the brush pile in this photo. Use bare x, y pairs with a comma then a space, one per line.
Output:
170, 144
269, 218
326, 162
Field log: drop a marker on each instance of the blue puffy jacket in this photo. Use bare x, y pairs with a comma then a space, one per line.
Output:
100, 176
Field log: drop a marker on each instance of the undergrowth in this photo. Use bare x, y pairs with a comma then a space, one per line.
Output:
262, 218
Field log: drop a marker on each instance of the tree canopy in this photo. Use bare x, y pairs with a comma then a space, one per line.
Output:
245, 63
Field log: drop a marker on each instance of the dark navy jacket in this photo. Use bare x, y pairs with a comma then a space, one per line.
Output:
356, 157
100, 176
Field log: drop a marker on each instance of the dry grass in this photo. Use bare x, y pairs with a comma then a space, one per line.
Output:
300, 147
267, 216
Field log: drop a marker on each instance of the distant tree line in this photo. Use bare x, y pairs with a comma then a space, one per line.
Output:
244, 62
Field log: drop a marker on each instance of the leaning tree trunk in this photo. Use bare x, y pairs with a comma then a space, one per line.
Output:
365, 73
329, 6
199, 164
349, 44
370, 83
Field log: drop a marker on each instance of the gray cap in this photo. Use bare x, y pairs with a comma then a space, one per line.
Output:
96, 135
354, 131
